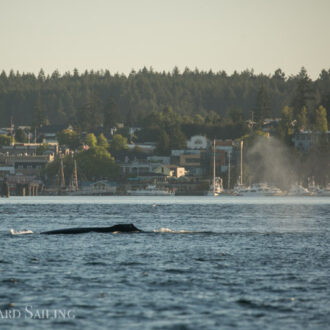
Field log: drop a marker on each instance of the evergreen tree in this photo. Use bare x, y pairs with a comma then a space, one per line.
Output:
5, 140
286, 125
102, 141
302, 121
304, 95
39, 116
262, 108
91, 140
118, 143
111, 115
68, 138
163, 143
97, 163
87, 100
321, 123
20, 135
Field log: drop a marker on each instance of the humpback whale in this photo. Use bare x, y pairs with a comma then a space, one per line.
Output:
123, 228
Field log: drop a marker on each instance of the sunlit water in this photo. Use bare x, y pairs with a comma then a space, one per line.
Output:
203, 263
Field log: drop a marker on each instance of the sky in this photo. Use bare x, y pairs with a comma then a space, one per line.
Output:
125, 35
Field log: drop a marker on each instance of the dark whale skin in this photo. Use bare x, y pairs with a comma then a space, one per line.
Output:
122, 228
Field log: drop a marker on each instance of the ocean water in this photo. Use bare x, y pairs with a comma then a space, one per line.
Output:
202, 263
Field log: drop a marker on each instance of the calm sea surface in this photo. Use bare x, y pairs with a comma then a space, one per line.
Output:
203, 263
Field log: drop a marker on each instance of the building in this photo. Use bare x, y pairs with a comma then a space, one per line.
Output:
26, 165
146, 147
159, 159
28, 149
6, 170
137, 167
48, 134
304, 140
171, 170
197, 142
223, 148
190, 159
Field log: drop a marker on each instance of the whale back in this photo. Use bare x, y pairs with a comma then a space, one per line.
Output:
121, 228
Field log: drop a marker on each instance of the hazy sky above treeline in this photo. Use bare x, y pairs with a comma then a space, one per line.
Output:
228, 35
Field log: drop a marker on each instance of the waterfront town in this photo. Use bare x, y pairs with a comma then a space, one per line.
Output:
57, 165
156, 133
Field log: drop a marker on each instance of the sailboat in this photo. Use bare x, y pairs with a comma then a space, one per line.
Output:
72, 188
61, 184
216, 187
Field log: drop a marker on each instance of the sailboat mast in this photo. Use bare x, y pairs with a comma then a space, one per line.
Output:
213, 165
75, 175
241, 167
62, 175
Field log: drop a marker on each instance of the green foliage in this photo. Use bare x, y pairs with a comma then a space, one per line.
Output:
177, 138
5, 140
97, 163
52, 169
235, 115
42, 148
286, 125
302, 119
304, 94
321, 123
262, 108
118, 143
89, 111
212, 118
111, 115
92, 98
163, 143
39, 116
124, 131
20, 136
103, 142
91, 140
68, 138
148, 134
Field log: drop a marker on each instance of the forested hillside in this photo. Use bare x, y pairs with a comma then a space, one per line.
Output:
91, 99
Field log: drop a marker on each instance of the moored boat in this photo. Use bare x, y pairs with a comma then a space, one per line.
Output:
150, 190
216, 187
257, 189
299, 190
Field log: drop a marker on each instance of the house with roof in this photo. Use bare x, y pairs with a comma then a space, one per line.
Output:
171, 170
48, 134
26, 164
191, 159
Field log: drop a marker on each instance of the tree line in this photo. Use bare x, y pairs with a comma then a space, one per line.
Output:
91, 99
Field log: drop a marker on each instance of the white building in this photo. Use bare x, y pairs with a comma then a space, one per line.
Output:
197, 142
